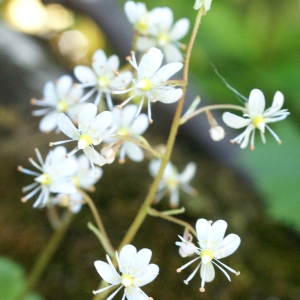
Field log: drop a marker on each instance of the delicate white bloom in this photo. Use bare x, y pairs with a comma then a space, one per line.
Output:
135, 272
129, 126
152, 80
103, 77
212, 247
206, 3
59, 97
53, 176
137, 15
217, 133
84, 177
92, 130
187, 247
172, 181
163, 34
257, 117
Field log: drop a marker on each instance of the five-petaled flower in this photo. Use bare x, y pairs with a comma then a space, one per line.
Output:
92, 130
212, 247
103, 77
59, 97
54, 177
256, 117
151, 82
172, 181
135, 272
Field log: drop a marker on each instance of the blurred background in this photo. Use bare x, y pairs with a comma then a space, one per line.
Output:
253, 44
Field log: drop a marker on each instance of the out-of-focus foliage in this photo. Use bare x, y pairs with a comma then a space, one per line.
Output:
12, 280
254, 44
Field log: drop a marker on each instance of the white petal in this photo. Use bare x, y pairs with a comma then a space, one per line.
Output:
154, 167
86, 116
125, 258
216, 234
135, 293
169, 96
202, 228
143, 44
172, 53
49, 122
85, 75
256, 103
101, 122
121, 81
247, 133
99, 62
139, 125
134, 152
149, 274
188, 173
94, 156
64, 84
228, 246
207, 272
67, 127
127, 115
139, 262
278, 100
180, 29
50, 93
62, 186
235, 121
113, 64
150, 63
108, 273
165, 72
75, 93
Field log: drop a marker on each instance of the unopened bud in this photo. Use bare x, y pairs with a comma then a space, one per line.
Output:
217, 133
109, 154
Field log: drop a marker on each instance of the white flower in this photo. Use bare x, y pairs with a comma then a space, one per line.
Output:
256, 117
91, 131
137, 15
72, 201
206, 3
187, 248
59, 97
163, 34
213, 246
172, 181
54, 176
135, 269
152, 81
129, 126
217, 133
103, 77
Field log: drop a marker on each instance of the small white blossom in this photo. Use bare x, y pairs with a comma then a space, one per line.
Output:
206, 3
129, 126
59, 97
135, 272
53, 176
163, 34
103, 77
212, 247
137, 15
92, 130
152, 80
172, 181
217, 133
256, 117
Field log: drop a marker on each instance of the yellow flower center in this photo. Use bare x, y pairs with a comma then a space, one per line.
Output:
62, 106
123, 131
141, 26
44, 179
206, 256
84, 141
103, 82
162, 39
75, 181
172, 183
257, 120
127, 280
144, 84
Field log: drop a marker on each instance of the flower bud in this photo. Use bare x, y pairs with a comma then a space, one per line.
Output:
109, 154
217, 133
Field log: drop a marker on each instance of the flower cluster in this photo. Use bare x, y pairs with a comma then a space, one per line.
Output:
212, 247
61, 176
156, 29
